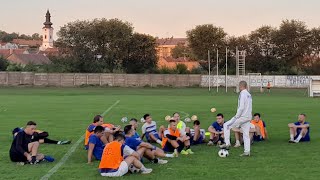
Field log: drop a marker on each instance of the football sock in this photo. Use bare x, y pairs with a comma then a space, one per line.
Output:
299, 137
291, 137
159, 141
49, 141
169, 155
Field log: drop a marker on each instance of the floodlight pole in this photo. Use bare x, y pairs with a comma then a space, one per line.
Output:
226, 80
217, 70
209, 69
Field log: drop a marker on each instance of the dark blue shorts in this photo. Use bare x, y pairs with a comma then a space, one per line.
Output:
169, 148
199, 141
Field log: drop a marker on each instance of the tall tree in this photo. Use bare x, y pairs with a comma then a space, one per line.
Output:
98, 44
141, 54
206, 37
292, 42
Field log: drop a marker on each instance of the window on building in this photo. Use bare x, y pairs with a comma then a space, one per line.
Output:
45, 36
50, 37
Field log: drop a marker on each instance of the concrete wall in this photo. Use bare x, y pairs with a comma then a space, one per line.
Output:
140, 80
257, 81
78, 79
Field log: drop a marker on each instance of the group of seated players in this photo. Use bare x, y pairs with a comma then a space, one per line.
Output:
120, 151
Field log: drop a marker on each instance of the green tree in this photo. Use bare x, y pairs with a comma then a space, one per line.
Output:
3, 64
98, 44
292, 42
182, 51
206, 37
141, 54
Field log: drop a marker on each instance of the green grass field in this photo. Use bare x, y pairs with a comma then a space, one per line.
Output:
65, 113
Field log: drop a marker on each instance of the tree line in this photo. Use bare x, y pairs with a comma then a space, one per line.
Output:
111, 45
9, 37
291, 48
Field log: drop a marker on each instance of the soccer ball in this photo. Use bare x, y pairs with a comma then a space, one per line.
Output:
142, 120
167, 118
194, 118
133, 169
124, 119
213, 110
223, 153
187, 120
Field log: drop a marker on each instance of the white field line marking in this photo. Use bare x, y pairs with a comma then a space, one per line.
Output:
71, 150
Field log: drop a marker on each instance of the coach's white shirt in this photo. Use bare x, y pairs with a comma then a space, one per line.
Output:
244, 105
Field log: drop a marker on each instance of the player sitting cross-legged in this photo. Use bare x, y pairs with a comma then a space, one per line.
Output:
261, 132
197, 134
174, 141
149, 129
216, 131
299, 131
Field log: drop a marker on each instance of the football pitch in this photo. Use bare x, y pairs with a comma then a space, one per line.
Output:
66, 112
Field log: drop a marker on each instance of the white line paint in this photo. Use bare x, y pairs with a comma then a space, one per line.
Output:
71, 150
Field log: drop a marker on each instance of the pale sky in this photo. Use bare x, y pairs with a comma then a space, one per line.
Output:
161, 18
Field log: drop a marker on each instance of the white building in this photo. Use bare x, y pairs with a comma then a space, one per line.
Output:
47, 33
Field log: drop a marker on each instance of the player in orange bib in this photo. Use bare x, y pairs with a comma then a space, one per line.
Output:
117, 158
108, 134
260, 126
174, 141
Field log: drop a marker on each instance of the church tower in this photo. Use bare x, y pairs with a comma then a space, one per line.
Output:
47, 33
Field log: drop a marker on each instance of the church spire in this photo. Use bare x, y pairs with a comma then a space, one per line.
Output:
48, 22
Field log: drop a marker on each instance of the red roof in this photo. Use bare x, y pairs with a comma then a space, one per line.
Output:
27, 42
171, 41
180, 59
6, 52
24, 59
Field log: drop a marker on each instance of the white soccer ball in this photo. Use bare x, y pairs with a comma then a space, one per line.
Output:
124, 119
213, 110
194, 118
223, 153
142, 120
187, 120
167, 118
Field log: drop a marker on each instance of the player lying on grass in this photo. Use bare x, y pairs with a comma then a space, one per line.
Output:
134, 123
144, 149
117, 158
198, 135
299, 131
149, 129
261, 132
24, 150
216, 131
109, 130
174, 141
238, 133
41, 136
95, 145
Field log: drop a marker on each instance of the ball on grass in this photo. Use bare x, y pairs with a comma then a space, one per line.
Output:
213, 110
194, 118
167, 118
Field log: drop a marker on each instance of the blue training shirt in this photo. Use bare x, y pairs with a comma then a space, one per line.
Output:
132, 142
307, 136
217, 127
99, 146
136, 136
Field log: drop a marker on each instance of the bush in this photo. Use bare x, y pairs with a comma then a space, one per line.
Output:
182, 69
167, 70
196, 70
14, 67
3, 64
